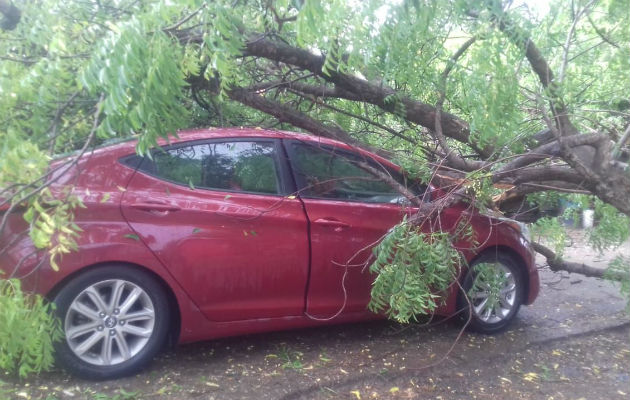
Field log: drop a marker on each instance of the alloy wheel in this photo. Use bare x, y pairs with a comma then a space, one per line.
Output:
493, 292
109, 322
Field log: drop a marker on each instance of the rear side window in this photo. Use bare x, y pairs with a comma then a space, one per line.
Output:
182, 164
236, 166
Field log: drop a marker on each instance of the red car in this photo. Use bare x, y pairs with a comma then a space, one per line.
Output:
231, 231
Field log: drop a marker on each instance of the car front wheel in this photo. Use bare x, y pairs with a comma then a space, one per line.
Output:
115, 320
493, 292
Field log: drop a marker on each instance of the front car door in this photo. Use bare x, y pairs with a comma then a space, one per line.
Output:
349, 210
217, 215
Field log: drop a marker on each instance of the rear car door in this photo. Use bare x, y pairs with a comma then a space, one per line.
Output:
349, 210
217, 216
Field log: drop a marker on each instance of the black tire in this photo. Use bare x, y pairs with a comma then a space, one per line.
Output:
127, 337
487, 318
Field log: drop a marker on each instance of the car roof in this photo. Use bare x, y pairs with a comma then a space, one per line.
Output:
128, 146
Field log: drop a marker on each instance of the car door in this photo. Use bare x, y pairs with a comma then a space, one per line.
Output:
217, 216
349, 210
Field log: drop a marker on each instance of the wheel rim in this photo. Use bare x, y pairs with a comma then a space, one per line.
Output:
493, 292
109, 322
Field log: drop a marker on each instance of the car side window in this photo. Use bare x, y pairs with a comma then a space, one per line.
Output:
246, 166
333, 174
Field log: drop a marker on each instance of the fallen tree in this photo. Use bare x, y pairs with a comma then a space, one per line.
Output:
462, 94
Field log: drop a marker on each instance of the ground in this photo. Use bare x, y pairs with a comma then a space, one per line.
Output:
572, 343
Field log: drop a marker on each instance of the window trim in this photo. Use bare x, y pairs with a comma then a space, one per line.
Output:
283, 178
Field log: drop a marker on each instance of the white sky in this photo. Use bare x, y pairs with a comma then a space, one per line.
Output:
537, 7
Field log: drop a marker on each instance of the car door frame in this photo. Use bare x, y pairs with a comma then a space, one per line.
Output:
321, 302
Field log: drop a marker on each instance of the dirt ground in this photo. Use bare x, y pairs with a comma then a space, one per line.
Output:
572, 343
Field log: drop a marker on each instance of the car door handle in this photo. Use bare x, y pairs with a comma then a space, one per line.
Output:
332, 222
162, 207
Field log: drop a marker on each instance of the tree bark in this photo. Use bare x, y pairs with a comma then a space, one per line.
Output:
558, 264
377, 94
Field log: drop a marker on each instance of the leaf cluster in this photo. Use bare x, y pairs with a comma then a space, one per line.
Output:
612, 228
413, 270
28, 330
51, 222
142, 78
620, 266
550, 230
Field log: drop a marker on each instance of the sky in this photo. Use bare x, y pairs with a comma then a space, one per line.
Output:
537, 7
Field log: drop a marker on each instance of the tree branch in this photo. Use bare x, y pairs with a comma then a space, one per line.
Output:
622, 142
55, 122
453, 158
377, 94
316, 91
548, 150
547, 173
296, 118
558, 264
539, 65
601, 33
567, 43
391, 131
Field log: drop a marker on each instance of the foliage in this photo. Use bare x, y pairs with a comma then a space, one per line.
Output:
612, 228
621, 265
480, 186
416, 168
414, 269
51, 224
84, 72
147, 59
291, 359
489, 281
551, 231
143, 80
544, 201
28, 330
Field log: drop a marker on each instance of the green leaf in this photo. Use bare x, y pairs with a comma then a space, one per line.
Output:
28, 215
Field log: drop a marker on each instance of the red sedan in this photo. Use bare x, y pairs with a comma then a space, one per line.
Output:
231, 231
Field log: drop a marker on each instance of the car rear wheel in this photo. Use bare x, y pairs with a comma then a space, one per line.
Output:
493, 292
115, 320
